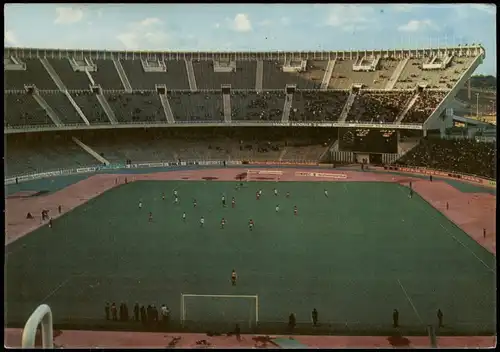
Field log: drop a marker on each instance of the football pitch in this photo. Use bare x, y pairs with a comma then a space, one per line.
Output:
355, 256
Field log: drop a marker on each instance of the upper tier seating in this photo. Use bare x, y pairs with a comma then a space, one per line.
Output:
318, 106
426, 103
174, 78
70, 78
88, 103
378, 106
242, 78
23, 110
35, 74
62, 107
137, 107
263, 106
196, 106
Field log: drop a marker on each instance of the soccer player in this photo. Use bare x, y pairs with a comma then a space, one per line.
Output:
275, 192
233, 202
150, 216
411, 193
233, 278
277, 208
176, 200
223, 201
163, 195
175, 193
202, 221
50, 222
288, 194
326, 193
194, 203
260, 192
140, 204
295, 210
222, 223
257, 196
250, 225
184, 216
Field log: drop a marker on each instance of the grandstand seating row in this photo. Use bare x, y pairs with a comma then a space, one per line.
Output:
36, 152
243, 76
145, 106
46, 151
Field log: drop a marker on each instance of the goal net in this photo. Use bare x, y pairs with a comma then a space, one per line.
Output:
222, 311
264, 175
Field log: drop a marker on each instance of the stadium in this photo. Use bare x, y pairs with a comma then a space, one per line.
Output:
127, 152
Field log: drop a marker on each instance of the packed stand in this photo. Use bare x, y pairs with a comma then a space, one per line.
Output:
23, 110
71, 79
257, 106
196, 106
424, 106
317, 105
144, 106
90, 106
378, 107
455, 155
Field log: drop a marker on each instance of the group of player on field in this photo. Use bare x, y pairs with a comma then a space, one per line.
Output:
223, 199
251, 223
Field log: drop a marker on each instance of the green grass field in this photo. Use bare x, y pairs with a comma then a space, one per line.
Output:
354, 256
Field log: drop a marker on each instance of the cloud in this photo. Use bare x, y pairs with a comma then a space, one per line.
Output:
142, 33
350, 17
10, 38
403, 7
241, 23
489, 9
264, 23
285, 21
417, 25
68, 15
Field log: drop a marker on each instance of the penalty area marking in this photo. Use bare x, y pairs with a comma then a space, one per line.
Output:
453, 237
411, 302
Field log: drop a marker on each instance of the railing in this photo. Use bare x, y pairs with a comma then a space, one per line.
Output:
42, 315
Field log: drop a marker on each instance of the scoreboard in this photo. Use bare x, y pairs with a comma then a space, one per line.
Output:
368, 140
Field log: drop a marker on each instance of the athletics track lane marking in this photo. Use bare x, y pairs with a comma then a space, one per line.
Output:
449, 233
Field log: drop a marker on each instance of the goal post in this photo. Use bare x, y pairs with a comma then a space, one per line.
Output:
226, 310
263, 175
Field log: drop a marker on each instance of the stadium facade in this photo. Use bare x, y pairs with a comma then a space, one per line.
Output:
374, 101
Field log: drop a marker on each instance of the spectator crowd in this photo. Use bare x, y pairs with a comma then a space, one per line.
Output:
456, 155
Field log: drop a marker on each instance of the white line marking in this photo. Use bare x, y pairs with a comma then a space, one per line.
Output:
463, 245
411, 302
62, 284
452, 236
